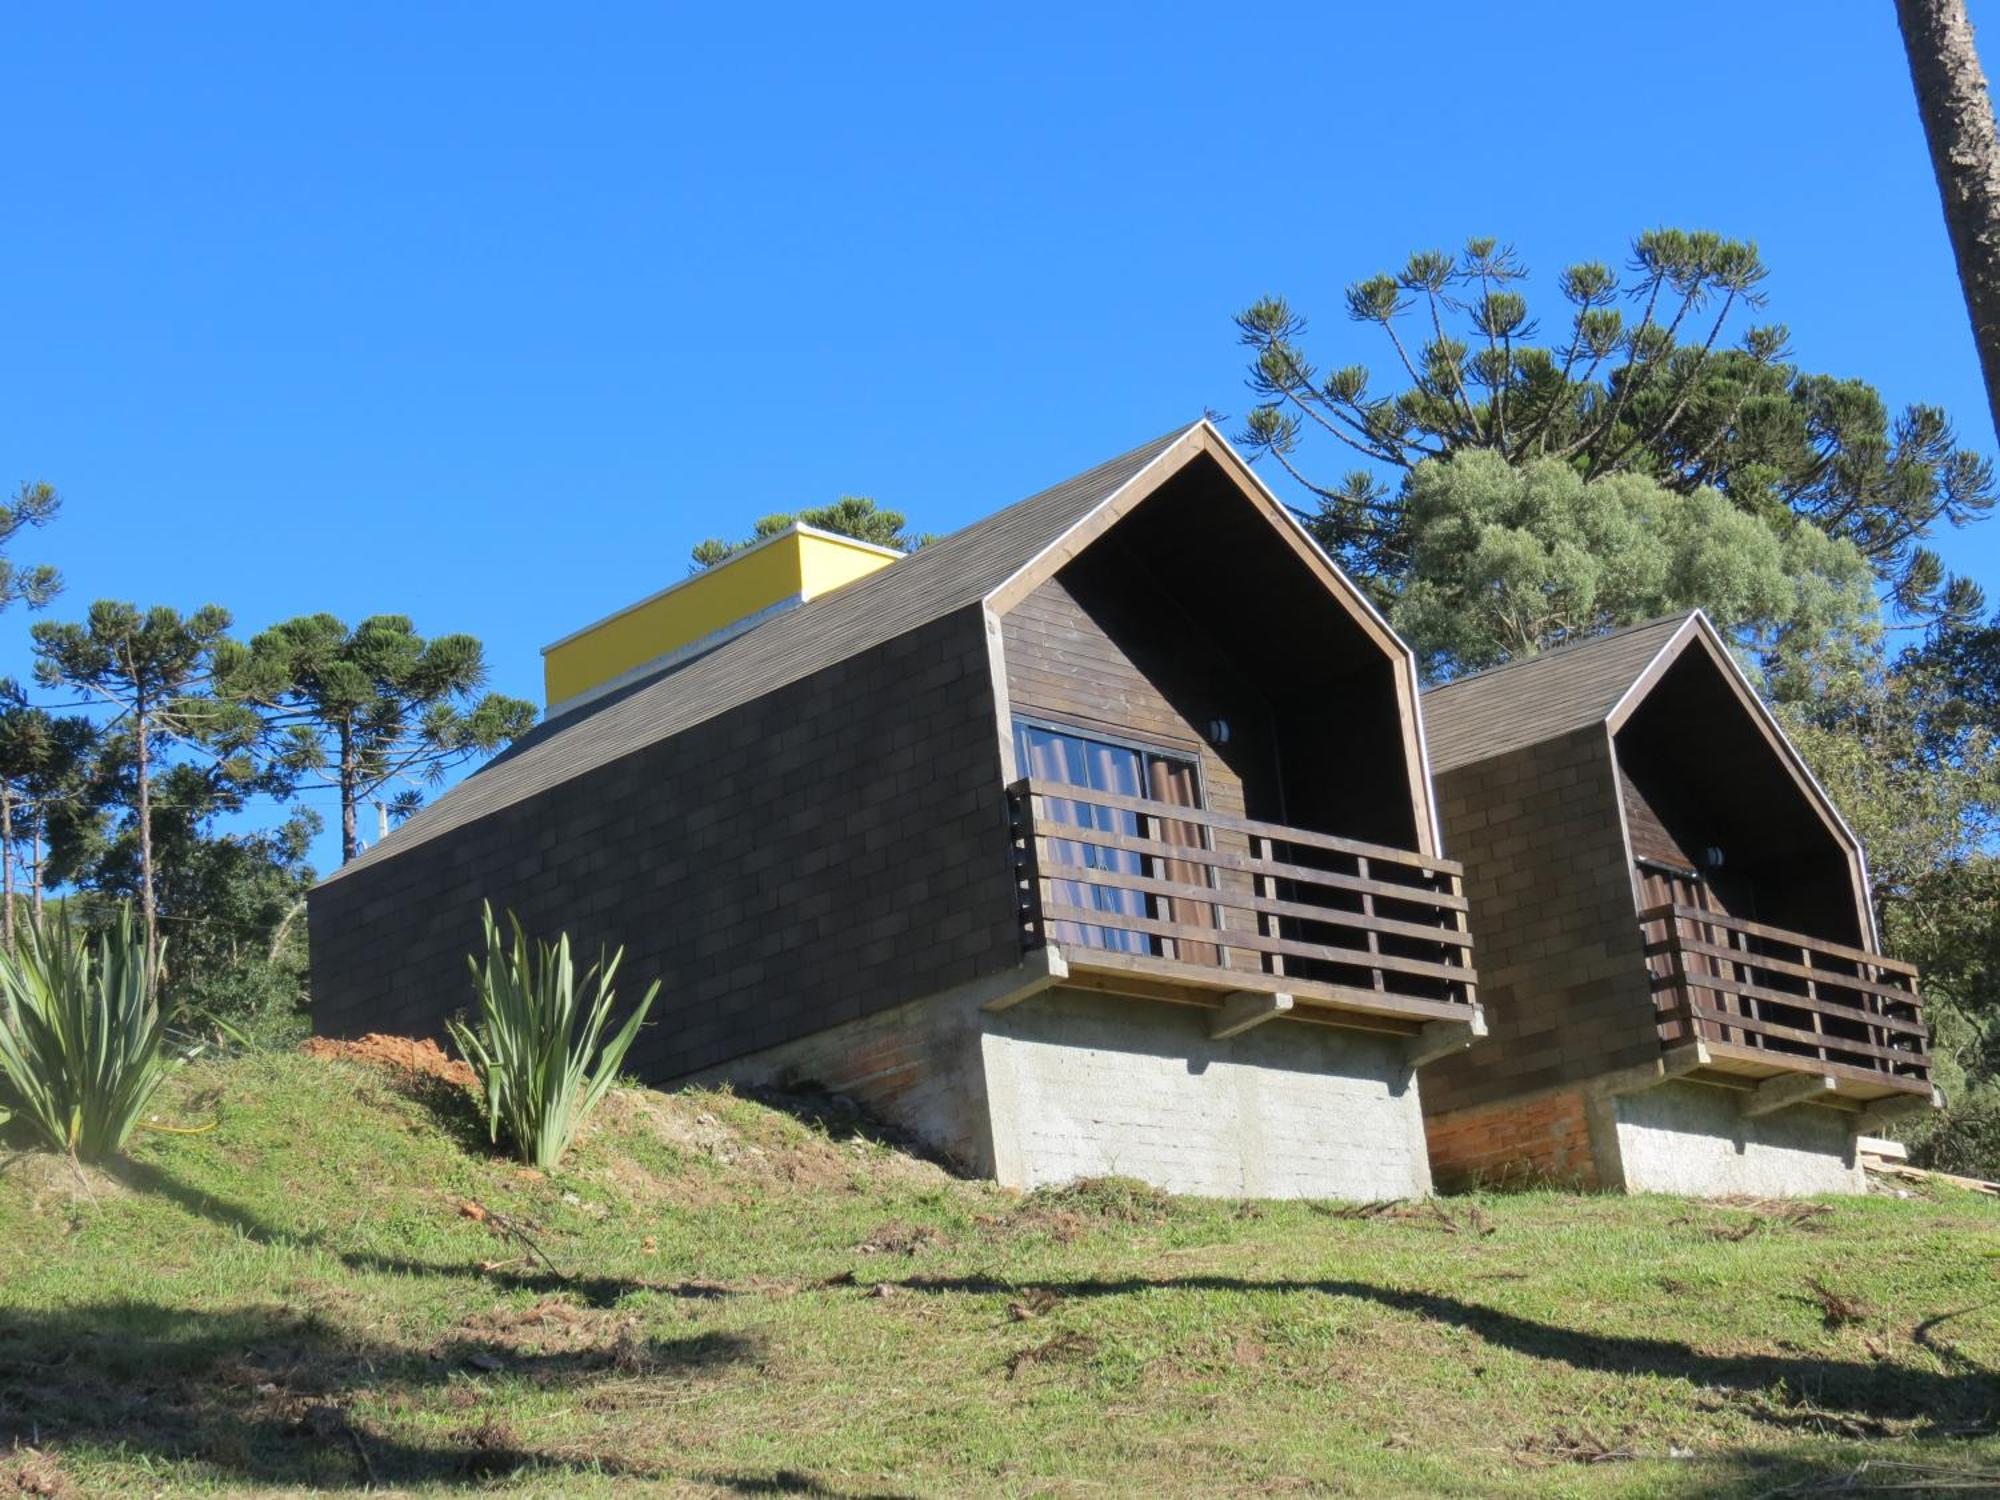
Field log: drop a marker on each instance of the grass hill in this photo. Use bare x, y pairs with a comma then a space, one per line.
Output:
339, 1286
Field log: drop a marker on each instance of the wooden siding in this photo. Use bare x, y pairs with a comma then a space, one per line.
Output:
1081, 652
1650, 836
1562, 971
830, 850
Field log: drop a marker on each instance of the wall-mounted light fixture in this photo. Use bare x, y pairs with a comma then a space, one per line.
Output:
1711, 858
1218, 731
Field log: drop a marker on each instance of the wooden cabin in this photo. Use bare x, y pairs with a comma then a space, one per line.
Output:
1685, 982
1094, 838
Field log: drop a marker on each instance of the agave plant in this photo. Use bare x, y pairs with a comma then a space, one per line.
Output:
82, 1041
536, 1034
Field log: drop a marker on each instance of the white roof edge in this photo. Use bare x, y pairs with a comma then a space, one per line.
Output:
986, 599
796, 528
1353, 589
1615, 715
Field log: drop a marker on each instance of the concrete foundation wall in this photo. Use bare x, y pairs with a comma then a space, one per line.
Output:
1687, 1138
1086, 1085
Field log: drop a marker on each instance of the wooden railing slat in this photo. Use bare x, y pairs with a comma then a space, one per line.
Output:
1887, 992
1420, 945
1725, 984
1780, 935
1244, 864
1254, 942
1811, 1038
1715, 968
1239, 900
1150, 807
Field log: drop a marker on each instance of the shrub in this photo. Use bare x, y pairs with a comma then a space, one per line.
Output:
81, 1035
535, 1035
1963, 1139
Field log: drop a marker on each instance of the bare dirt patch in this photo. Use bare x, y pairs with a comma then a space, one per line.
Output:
899, 1237
30, 1471
54, 1182
779, 1154
420, 1056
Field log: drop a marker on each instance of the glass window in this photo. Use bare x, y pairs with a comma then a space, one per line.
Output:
1068, 758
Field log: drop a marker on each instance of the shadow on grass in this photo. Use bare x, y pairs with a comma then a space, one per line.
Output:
453, 1107
267, 1394
840, 1118
1966, 1400
792, 1482
591, 1291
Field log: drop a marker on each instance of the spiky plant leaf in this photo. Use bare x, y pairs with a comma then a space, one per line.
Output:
82, 1040
536, 1034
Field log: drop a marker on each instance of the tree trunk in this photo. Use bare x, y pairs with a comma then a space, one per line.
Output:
350, 833
140, 725
35, 872
1965, 156
7, 860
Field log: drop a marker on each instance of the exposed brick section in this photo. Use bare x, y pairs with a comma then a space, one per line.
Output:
917, 1066
1515, 1142
1562, 974
835, 848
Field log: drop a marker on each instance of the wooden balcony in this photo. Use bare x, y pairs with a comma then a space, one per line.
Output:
1763, 1002
1156, 900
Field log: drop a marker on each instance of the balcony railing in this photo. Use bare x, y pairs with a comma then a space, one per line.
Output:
1153, 898
1756, 995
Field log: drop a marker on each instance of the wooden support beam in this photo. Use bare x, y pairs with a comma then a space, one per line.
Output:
1782, 1092
1040, 968
1672, 1064
1442, 1038
1246, 1008
1897, 1107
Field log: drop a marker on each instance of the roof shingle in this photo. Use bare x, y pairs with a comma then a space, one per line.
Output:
949, 574
1539, 697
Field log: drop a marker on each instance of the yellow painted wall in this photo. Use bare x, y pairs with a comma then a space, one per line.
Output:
797, 564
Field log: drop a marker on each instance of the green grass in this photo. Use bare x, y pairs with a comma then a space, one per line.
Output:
734, 1302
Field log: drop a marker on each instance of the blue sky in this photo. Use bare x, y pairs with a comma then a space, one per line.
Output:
485, 314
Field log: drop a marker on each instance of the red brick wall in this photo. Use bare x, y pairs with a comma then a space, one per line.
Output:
1515, 1142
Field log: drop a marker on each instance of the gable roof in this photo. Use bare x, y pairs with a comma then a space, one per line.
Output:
952, 573
1542, 697
1602, 681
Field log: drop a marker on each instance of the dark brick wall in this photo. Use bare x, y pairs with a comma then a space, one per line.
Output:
831, 850
1561, 972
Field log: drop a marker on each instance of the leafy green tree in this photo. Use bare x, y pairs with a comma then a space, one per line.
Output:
1506, 561
228, 889
851, 515
1907, 749
150, 670
44, 765
34, 504
372, 709
1655, 374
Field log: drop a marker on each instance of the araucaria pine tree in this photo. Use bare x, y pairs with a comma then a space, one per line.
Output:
376, 712
151, 670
